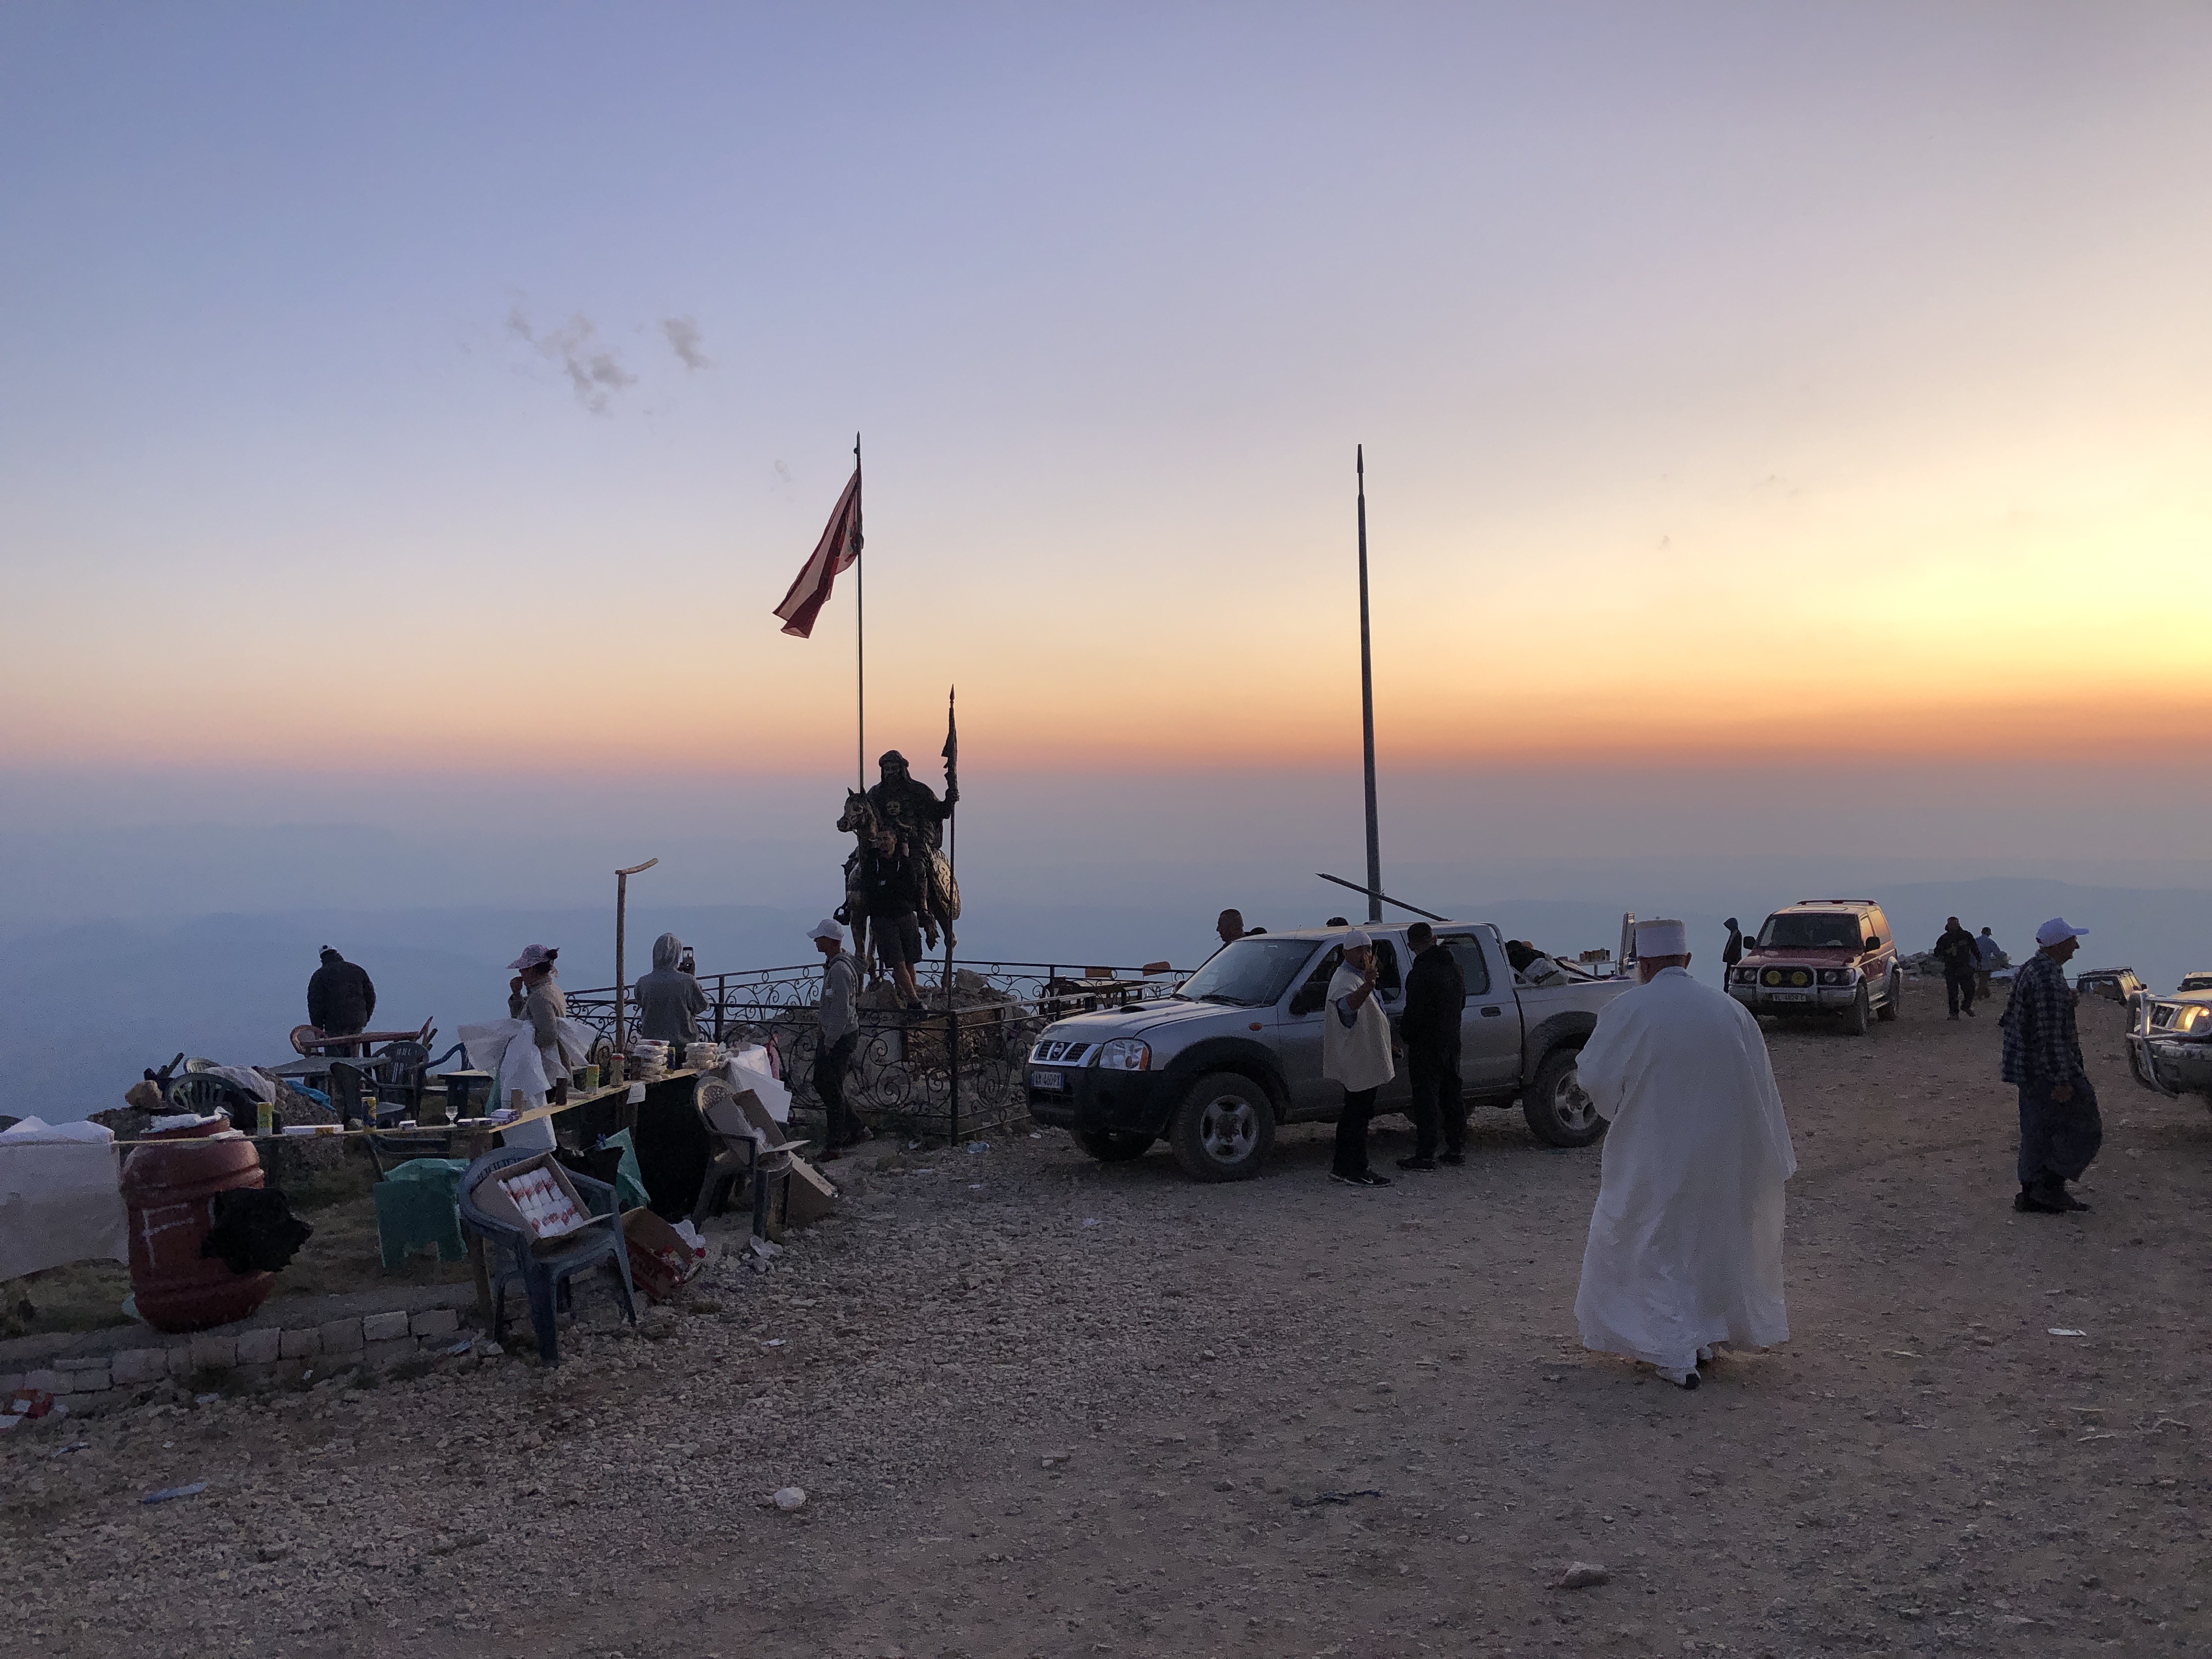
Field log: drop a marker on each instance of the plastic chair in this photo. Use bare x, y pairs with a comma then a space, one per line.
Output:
546, 1278
401, 1067
416, 1206
204, 1093
738, 1156
351, 1079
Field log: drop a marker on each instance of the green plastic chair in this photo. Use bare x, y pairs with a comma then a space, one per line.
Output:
630, 1181
416, 1204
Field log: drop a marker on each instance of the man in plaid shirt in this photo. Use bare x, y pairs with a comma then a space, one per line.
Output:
2060, 1129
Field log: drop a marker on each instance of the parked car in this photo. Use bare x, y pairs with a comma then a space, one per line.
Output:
2113, 984
2197, 981
1823, 957
1235, 1051
2170, 1042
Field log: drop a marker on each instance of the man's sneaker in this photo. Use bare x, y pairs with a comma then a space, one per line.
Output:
1364, 1178
2030, 1201
1679, 1379
1417, 1164
1453, 1159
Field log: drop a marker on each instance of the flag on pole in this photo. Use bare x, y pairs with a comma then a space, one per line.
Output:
951, 750
839, 547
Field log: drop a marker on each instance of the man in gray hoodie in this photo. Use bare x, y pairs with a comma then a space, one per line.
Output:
669, 1000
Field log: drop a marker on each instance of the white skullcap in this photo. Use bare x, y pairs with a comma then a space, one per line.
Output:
1662, 939
1357, 938
826, 928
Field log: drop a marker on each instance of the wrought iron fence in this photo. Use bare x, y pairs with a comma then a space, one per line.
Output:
946, 1072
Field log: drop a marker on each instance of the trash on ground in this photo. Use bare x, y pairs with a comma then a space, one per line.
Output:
1580, 1575
790, 1497
2060, 1330
168, 1493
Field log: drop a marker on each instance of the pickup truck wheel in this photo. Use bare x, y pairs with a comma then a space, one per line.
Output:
1558, 1110
1854, 1017
1894, 1003
1223, 1128
1114, 1145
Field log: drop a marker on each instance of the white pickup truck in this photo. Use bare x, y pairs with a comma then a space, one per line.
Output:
1235, 1051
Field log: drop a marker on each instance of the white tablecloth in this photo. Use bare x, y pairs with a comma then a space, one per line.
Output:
59, 1200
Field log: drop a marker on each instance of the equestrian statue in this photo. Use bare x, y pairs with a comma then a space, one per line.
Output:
910, 808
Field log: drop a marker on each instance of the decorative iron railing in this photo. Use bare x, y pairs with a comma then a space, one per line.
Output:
944, 1072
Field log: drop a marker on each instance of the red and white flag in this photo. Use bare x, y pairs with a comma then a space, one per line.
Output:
839, 547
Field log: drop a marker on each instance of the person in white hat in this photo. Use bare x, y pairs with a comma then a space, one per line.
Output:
535, 995
1685, 1249
838, 1017
2060, 1127
1355, 1052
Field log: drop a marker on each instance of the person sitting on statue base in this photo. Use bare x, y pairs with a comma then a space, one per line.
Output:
893, 896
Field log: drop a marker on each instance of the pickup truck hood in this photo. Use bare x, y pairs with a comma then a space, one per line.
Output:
1147, 1017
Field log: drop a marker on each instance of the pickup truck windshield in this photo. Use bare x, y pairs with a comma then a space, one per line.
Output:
1249, 973
1810, 932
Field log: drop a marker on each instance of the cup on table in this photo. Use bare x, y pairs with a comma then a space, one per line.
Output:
587, 1078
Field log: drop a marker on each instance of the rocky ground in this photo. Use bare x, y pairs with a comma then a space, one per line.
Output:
1041, 1407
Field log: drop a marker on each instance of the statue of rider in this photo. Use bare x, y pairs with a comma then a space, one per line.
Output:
911, 806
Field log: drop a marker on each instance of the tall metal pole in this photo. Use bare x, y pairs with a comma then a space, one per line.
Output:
621, 921
859, 643
1367, 702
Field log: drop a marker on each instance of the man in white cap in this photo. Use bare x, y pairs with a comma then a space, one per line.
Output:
839, 1015
1685, 1248
2060, 1127
1355, 1052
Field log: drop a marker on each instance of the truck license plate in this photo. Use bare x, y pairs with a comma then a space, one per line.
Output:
1054, 1080
1790, 996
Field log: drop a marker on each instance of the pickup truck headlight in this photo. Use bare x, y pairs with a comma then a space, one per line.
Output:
2192, 1023
1839, 976
1747, 976
1125, 1055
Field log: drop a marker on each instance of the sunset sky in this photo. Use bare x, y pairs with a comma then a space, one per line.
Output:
454, 390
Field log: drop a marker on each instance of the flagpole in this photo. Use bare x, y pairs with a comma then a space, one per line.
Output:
860, 645
1367, 702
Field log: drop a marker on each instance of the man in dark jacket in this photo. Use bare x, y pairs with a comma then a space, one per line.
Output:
2060, 1127
1435, 993
340, 999
1956, 950
1732, 952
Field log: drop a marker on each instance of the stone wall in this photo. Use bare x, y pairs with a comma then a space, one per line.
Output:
323, 1335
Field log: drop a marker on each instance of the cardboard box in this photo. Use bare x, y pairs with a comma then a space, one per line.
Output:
809, 1197
660, 1262
492, 1199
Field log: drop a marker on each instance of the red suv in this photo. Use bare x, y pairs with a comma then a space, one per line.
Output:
1822, 956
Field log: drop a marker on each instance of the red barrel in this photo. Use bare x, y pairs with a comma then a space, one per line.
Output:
170, 1188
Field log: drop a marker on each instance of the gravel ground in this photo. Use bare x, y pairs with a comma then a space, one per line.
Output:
1039, 1407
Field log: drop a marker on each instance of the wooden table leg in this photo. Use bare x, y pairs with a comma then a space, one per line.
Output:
483, 1280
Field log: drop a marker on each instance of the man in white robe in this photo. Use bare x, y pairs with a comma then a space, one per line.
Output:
1685, 1248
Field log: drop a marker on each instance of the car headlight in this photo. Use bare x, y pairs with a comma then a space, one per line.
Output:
1125, 1055
1747, 976
1839, 975
2193, 1022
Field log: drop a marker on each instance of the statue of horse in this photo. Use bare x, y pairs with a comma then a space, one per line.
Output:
860, 823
